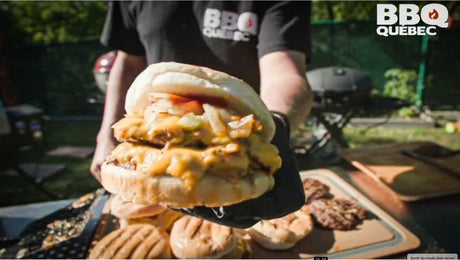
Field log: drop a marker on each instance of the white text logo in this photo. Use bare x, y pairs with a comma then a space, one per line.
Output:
408, 16
229, 25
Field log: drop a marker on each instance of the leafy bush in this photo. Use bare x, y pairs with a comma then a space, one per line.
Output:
407, 112
401, 84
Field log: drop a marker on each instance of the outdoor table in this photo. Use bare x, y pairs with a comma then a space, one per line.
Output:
435, 222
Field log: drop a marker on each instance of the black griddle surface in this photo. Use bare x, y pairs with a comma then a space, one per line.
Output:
29, 242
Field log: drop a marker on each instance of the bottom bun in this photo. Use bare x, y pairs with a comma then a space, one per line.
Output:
164, 220
136, 241
282, 233
121, 208
210, 191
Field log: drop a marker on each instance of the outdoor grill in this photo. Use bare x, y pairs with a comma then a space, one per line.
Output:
102, 68
339, 94
334, 86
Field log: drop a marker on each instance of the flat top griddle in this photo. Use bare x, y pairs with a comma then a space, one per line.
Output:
69, 231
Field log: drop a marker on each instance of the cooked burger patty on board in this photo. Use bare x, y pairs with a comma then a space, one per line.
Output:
340, 214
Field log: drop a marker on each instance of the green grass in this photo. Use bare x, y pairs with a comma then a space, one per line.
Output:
382, 135
76, 179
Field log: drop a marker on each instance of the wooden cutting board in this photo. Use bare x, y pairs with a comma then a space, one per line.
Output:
409, 178
378, 236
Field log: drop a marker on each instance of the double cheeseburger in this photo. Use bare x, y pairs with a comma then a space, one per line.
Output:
191, 136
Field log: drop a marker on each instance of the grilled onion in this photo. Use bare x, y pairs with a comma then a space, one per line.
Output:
241, 128
212, 114
190, 121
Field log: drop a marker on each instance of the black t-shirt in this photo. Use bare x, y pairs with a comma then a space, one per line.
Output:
226, 36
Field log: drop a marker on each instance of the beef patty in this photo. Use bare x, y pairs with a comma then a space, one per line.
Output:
340, 214
314, 190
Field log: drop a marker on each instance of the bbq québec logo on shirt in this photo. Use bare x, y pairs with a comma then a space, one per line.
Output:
229, 25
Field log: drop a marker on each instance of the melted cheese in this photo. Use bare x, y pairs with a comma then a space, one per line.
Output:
222, 156
192, 164
164, 129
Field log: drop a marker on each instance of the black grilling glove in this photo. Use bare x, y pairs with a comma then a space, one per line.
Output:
286, 196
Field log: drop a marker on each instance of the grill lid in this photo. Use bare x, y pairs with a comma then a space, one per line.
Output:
339, 80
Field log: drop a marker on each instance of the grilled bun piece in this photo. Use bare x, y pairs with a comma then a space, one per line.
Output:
123, 209
191, 137
242, 250
282, 233
197, 238
133, 242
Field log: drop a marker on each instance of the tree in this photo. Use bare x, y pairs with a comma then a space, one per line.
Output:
48, 22
343, 10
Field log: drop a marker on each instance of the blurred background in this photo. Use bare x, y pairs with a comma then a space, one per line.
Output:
51, 104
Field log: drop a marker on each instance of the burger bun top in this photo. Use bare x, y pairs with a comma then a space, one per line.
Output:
190, 80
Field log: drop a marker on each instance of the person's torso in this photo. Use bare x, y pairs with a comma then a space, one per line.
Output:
219, 35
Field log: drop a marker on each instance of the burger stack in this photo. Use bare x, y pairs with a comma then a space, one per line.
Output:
191, 137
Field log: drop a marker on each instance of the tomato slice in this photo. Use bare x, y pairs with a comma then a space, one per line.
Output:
215, 101
192, 107
175, 99
189, 103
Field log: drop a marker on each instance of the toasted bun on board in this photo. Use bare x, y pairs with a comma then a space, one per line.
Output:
192, 136
135, 241
282, 233
197, 238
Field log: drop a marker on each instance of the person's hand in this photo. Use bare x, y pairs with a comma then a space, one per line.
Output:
286, 196
105, 144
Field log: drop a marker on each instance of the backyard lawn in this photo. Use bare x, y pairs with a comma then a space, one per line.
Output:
76, 179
